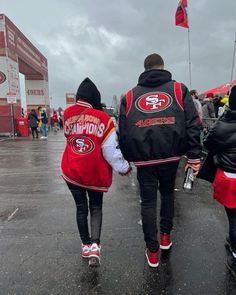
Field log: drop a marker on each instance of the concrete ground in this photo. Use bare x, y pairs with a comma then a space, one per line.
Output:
40, 245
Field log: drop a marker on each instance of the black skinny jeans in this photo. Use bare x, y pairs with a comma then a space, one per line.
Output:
95, 207
34, 131
151, 179
231, 213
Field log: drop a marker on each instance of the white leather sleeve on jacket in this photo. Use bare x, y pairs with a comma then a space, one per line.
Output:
112, 154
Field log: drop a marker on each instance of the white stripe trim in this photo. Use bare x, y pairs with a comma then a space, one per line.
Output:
194, 161
154, 162
96, 188
83, 103
230, 175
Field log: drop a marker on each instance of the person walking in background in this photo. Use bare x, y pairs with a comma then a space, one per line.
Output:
197, 105
158, 123
221, 142
224, 103
89, 156
217, 104
61, 119
208, 110
33, 123
40, 120
44, 125
55, 121
208, 113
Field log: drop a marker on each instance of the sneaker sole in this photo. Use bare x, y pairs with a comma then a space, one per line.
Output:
166, 247
85, 256
151, 264
94, 262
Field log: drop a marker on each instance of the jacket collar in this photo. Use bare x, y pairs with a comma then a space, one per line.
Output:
154, 78
84, 104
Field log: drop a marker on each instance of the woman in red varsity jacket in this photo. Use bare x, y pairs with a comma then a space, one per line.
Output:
90, 154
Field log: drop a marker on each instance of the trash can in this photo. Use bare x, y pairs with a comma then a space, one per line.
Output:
22, 127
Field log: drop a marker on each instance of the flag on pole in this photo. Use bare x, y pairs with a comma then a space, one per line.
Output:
181, 15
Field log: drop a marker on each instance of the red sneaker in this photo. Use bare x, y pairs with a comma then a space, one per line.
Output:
152, 258
165, 242
85, 250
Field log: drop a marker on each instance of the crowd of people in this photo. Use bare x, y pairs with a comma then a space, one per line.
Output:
39, 122
209, 106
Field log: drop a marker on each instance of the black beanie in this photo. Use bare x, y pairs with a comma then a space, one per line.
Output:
232, 98
88, 92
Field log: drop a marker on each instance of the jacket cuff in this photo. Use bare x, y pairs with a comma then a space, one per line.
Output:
194, 161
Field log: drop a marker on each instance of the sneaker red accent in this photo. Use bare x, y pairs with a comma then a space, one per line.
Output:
152, 258
165, 242
85, 250
94, 255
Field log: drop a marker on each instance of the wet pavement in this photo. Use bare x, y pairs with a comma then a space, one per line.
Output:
40, 246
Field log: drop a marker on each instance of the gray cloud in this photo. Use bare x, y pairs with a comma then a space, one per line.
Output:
108, 40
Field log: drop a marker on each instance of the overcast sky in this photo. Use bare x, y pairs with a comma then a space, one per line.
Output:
107, 40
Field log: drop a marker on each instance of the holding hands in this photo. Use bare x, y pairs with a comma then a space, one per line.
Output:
128, 172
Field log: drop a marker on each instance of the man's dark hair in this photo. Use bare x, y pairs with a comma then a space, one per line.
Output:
193, 92
153, 61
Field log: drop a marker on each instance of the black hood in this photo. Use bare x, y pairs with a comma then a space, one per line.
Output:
154, 78
88, 92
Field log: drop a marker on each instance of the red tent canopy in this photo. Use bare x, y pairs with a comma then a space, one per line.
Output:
222, 89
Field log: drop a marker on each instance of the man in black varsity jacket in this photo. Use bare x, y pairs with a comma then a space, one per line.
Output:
158, 124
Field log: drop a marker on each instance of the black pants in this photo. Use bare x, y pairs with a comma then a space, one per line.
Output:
231, 213
151, 179
82, 208
34, 131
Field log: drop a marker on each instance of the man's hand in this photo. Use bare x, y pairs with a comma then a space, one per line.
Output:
127, 173
195, 168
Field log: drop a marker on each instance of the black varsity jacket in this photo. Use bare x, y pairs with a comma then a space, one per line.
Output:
158, 122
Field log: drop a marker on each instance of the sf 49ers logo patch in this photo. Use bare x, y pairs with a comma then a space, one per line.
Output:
2, 77
82, 145
153, 102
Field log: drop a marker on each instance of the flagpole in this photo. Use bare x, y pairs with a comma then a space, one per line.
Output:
181, 19
232, 71
189, 61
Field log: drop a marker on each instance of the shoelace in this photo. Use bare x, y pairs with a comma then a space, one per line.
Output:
94, 249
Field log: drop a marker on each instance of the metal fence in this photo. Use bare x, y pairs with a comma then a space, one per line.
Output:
207, 122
